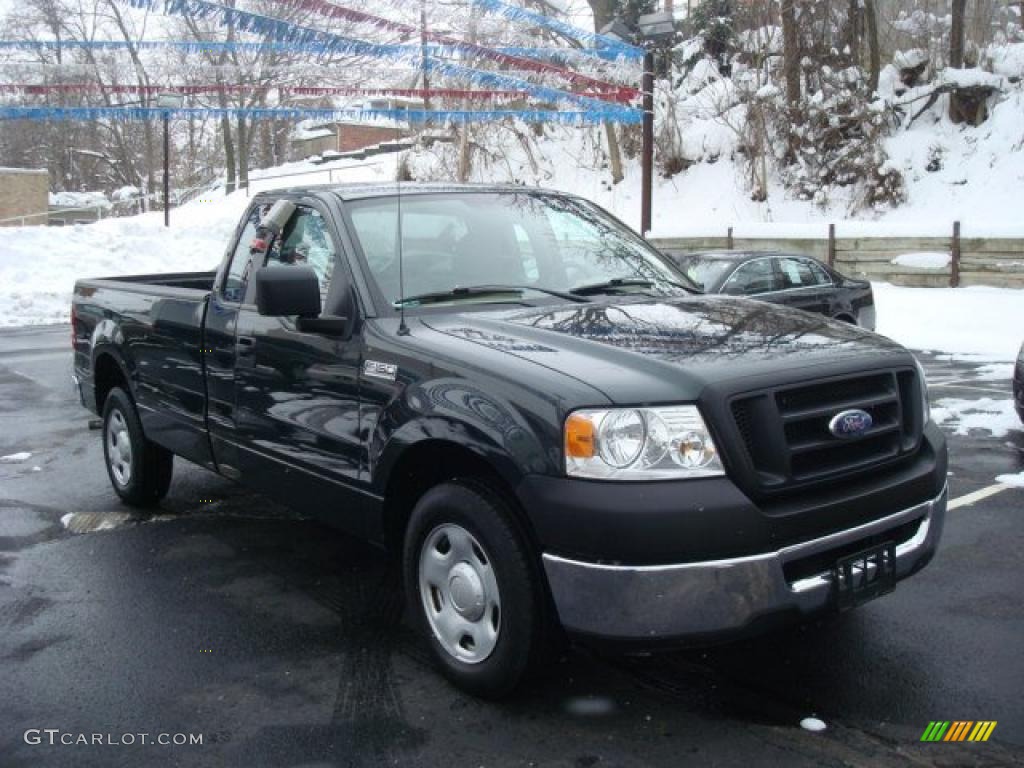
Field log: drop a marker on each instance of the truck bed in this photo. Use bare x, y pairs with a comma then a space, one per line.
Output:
152, 327
168, 284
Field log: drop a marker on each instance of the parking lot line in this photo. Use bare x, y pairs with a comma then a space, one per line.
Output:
976, 496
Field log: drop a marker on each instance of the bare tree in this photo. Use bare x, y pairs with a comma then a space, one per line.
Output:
874, 54
956, 35
791, 50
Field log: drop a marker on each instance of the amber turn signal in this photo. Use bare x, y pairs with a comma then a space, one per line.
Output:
579, 437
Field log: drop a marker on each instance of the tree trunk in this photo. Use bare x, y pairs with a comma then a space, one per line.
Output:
956, 34
243, 153
791, 51
465, 144
874, 56
604, 12
229, 154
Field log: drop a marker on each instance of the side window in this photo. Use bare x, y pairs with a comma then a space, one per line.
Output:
800, 273
306, 241
821, 277
238, 271
752, 278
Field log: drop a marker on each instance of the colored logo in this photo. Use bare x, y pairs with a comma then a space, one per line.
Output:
958, 730
853, 423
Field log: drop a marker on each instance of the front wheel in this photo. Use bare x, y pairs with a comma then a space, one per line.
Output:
139, 470
472, 587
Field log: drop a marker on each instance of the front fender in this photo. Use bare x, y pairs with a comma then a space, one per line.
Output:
454, 410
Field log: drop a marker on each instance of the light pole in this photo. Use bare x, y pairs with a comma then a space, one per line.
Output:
653, 31
167, 102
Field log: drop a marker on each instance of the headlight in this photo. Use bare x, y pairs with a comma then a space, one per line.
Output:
926, 406
640, 444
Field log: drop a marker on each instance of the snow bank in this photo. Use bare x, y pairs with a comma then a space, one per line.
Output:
15, 458
983, 324
39, 265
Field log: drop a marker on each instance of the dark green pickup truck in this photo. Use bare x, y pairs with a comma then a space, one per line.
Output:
559, 433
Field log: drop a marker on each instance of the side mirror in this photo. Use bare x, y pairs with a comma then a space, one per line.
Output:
286, 291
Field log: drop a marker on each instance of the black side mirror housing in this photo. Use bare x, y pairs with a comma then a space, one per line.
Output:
287, 291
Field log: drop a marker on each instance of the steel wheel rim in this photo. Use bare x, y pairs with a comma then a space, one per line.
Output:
460, 595
119, 448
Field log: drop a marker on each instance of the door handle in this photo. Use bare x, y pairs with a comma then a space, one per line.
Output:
246, 345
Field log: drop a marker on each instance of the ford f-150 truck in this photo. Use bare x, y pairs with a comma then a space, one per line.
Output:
560, 435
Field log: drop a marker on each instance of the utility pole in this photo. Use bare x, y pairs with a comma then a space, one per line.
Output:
167, 169
423, 55
647, 152
167, 102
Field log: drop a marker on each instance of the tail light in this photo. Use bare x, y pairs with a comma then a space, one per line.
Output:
74, 326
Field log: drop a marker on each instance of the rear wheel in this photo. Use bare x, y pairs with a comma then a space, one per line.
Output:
472, 587
139, 469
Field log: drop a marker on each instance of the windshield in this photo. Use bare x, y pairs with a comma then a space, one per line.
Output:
545, 242
706, 272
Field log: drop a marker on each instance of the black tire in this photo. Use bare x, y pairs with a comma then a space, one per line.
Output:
481, 511
149, 466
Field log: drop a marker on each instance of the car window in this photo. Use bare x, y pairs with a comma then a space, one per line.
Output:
706, 272
754, 277
821, 277
801, 273
238, 271
306, 240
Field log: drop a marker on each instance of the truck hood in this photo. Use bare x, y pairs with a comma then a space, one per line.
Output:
639, 351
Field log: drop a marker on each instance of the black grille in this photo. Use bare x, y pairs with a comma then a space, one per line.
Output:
786, 433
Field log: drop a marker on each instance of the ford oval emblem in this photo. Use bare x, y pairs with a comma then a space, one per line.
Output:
853, 423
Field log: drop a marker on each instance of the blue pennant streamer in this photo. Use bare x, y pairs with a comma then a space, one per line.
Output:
285, 32
523, 16
498, 80
558, 55
588, 117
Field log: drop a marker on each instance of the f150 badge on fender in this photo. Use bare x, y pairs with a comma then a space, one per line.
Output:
849, 424
377, 370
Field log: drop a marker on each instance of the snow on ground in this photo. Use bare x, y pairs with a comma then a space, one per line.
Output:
39, 265
962, 416
978, 324
15, 458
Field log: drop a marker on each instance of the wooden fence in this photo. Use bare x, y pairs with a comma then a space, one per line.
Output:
972, 261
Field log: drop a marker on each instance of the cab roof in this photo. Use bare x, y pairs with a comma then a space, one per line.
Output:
362, 190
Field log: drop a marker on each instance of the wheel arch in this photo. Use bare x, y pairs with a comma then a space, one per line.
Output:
417, 467
109, 371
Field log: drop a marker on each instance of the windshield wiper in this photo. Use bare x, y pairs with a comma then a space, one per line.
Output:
478, 291
619, 283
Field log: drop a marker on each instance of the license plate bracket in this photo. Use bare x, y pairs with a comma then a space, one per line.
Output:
865, 575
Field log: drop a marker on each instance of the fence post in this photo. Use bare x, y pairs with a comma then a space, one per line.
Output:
954, 276
832, 245
730, 240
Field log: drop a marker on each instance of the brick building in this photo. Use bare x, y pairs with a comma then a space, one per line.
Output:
23, 192
310, 139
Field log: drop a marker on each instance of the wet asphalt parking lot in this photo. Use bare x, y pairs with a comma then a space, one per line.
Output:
282, 643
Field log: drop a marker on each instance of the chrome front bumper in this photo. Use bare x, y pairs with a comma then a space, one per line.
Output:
721, 596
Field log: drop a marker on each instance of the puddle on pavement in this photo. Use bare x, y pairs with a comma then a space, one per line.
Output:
91, 522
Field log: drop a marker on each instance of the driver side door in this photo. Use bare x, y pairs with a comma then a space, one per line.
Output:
298, 393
